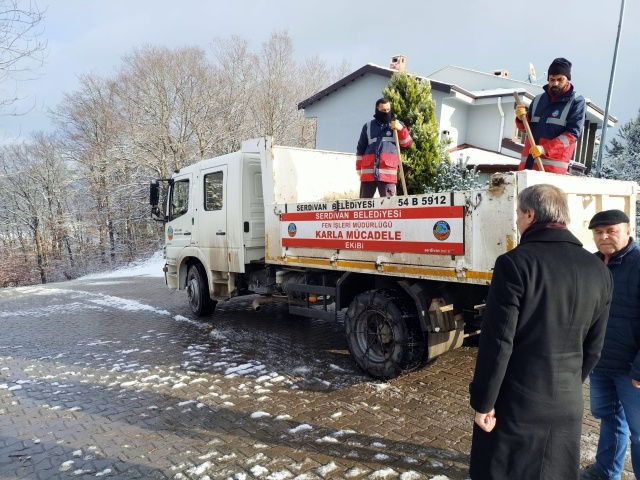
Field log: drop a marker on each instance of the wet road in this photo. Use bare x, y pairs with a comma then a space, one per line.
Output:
116, 378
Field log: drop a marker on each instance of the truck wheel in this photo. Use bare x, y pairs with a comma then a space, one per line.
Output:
383, 333
198, 291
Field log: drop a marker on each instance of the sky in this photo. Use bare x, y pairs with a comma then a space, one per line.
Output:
92, 37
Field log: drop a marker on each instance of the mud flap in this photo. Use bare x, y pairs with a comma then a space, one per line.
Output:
441, 342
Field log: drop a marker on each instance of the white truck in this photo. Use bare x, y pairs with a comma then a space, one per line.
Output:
412, 271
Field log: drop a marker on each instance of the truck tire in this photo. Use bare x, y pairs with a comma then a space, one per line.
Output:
384, 334
198, 291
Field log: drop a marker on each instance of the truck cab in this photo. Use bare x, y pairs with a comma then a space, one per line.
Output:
214, 226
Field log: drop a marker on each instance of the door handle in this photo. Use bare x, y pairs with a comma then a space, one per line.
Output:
220, 233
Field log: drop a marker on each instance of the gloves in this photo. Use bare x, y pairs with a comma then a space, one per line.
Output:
537, 151
396, 125
520, 110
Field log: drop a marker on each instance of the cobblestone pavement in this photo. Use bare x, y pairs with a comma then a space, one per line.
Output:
116, 378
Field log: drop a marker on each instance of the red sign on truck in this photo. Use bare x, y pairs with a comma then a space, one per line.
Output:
437, 230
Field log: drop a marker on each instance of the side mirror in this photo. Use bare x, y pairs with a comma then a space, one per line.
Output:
154, 193
154, 200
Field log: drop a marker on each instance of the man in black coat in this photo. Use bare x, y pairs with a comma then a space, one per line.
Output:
542, 332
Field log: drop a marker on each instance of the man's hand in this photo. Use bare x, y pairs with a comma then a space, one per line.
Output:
520, 111
486, 421
537, 151
396, 125
635, 383
359, 172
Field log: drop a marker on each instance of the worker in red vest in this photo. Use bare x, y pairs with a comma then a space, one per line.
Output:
376, 154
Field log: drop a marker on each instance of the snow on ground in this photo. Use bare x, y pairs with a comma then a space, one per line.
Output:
151, 267
253, 375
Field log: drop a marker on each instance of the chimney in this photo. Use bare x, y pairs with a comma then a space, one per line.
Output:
501, 73
398, 63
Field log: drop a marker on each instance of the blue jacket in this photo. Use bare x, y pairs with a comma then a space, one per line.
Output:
376, 153
556, 124
621, 350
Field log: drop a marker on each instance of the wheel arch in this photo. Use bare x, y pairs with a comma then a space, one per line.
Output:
351, 284
421, 293
189, 257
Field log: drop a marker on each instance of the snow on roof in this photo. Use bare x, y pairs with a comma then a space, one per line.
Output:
478, 156
495, 92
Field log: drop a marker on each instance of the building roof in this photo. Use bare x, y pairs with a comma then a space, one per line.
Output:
443, 87
481, 156
448, 70
368, 68
488, 161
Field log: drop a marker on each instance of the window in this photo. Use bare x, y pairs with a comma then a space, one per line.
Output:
179, 199
519, 136
213, 191
257, 185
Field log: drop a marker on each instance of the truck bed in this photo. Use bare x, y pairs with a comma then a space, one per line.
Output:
452, 236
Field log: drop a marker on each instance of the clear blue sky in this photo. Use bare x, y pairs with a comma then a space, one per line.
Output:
92, 36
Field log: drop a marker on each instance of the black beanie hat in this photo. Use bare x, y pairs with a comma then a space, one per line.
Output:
560, 66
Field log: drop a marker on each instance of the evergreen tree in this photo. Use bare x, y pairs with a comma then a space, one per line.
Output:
412, 104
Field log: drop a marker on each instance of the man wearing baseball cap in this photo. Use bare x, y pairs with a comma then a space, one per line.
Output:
615, 380
556, 118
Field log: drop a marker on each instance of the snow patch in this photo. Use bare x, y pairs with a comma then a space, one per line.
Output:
386, 473
260, 414
301, 428
326, 469
151, 267
411, 475
258, 470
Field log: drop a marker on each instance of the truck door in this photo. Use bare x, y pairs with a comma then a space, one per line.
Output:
212, 219
179, 211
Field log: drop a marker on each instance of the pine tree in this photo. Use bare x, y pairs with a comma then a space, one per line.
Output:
412, 104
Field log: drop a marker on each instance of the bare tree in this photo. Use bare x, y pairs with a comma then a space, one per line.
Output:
169, 100
282, 84
52, 175
76, 201
22, 48
89, 130
34, 185
235, 72
274, 108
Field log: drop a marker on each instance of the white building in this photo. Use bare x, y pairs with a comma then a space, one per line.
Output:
474, 109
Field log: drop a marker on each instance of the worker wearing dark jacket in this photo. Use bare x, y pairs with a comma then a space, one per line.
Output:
542, 332
615, 381
376, 153
556, 118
